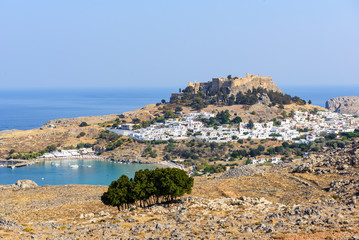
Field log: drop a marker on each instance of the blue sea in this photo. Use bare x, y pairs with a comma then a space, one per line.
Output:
31, 108
28, 108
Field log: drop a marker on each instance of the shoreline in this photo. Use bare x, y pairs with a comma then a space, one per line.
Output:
161, 164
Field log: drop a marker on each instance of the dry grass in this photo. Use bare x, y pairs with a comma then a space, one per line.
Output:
275, 187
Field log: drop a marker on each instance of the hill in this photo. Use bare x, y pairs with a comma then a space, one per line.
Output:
345, 105
229, 91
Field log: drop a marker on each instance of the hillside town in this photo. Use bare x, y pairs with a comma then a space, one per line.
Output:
304, 127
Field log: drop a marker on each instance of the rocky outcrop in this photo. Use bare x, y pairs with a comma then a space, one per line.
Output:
344, 105
232, 85
24, 184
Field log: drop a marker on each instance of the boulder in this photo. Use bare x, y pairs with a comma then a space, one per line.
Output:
24, 184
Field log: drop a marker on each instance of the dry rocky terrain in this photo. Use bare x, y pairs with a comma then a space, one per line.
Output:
313, 198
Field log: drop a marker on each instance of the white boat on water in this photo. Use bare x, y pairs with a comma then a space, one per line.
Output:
74, 166
89, 166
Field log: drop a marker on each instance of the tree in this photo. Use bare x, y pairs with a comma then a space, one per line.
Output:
118, 192
178, 109
261, 148
198, 103
284, 114
163, 101
231, 100
237, 120
81, 134
223, 117
213, 145
169, 114
136, 120
50, 148
83, 124
292, 114
285, 145
310, 102
250, 124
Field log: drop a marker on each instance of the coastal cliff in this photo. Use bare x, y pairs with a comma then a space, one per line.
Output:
344, 105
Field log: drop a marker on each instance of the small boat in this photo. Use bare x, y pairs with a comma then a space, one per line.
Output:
89, 166
74, 166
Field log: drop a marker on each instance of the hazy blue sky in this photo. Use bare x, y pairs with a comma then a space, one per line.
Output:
150, 43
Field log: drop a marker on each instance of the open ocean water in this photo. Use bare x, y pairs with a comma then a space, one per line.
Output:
27, 109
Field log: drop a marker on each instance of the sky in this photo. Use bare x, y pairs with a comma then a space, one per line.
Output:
161, 43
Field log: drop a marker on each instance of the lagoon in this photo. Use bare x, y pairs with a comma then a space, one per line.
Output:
63, 172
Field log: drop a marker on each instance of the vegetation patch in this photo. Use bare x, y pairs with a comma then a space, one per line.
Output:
148, 187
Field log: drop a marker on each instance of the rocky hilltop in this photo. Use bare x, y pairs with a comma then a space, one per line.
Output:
233, 85
346, 105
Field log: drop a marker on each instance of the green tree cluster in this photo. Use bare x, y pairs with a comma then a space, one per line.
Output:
222, 117
148, 187
149, 152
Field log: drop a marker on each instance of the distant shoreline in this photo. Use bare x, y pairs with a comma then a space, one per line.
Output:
26, 116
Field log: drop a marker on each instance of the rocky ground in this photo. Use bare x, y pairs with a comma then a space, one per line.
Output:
75, 212
314, 198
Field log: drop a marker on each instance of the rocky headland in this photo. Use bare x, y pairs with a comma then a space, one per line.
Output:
344, 105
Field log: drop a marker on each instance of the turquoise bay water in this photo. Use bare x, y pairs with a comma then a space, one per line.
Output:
60, 172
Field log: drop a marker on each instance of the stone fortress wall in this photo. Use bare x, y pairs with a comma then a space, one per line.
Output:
235, 85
